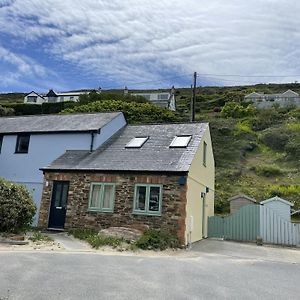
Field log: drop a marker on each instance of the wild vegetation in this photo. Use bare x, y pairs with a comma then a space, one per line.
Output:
151, 240
257, 152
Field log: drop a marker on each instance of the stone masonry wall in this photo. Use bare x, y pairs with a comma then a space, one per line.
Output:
173, 210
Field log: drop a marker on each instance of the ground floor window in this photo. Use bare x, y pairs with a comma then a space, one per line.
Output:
147, 199
102, 197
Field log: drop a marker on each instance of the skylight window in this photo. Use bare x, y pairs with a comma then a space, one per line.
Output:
137, 142
180, 141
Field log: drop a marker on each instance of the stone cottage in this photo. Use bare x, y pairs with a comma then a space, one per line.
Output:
156, 176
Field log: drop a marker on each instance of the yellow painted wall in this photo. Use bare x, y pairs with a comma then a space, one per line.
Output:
200, 177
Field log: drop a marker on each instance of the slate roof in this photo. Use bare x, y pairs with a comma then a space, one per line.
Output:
154, 155
55, 123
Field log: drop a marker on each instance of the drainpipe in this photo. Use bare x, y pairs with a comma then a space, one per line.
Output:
92, 141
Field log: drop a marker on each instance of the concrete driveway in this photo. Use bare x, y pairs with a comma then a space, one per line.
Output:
204, 273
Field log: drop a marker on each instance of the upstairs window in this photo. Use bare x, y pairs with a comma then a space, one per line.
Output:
1, 141
22, 145
180, 141
137, 142
204, 153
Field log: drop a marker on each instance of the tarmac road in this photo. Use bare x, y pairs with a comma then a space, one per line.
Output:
89, 275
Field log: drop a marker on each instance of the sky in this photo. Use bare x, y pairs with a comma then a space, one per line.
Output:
76, 44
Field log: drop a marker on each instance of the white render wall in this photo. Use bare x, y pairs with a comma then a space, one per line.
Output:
24, 168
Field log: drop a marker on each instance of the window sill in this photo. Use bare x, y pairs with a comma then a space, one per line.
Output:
100, 211
142, 213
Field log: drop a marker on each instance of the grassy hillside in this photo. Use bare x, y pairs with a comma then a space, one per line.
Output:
256, 152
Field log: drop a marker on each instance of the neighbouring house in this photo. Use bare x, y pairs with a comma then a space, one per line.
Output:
28, 143
155, 176
52, 97
34, 98
239, 201
162, 99
279, 206
286, 99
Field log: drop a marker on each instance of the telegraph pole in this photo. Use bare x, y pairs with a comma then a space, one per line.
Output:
193, 103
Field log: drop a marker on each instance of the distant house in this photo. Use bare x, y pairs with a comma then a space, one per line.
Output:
32, 142
162, 99
286, 99
158, 176
52, 97
34, 98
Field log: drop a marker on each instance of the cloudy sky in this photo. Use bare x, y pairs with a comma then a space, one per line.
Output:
73, 44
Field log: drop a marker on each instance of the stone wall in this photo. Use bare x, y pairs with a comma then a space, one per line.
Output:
173, 210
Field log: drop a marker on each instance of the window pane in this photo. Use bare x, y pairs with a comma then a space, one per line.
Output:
23, 144
1, 141
140, 198
58, 195
108, 196
154, 198
137, 142
95, 197
181, 141
64, 195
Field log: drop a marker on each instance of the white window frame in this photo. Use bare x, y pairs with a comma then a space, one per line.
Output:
137, 142
177, 137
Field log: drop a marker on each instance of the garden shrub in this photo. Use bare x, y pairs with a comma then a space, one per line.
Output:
16, 207
157, 240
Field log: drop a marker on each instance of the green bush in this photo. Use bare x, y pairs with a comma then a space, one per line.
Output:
6, 111
157, 240
235, 110
104, 96
24, 109
276, 139
267, 170
133, 111
56, 107
16, 207
292, 148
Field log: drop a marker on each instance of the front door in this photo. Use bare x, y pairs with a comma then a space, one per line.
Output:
58, 206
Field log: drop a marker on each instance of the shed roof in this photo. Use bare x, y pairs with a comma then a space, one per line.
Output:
154, 155
55, 123
276, 198
241, 196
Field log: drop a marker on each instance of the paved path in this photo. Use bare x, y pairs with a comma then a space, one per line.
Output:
68, 242
216, 247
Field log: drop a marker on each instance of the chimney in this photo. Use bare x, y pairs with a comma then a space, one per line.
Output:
173, 90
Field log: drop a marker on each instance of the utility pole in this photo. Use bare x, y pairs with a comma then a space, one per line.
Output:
193, 103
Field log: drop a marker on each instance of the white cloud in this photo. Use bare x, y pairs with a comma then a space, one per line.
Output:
140, 40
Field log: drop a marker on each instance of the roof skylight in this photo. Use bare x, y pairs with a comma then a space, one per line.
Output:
180, 141
137, 142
